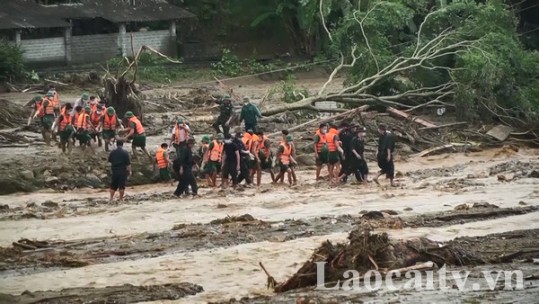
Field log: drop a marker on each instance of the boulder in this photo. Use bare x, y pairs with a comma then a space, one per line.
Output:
93, 180
51, 179
27, 174
306, 160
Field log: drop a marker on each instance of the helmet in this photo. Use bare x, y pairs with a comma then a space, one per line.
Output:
129, 114
110, 110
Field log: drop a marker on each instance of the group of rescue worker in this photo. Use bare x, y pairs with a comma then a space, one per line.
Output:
236, 157
89, 119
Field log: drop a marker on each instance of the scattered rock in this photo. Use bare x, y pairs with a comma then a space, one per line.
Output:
47, 173
4, 207
232, 219
462, 207
306, 160
408, 209
506, 177
50, 204
179, 226
30, 205
389, 211
373, 215
484, 205
93, 180
534, 174
51, 179
27, 174
221, 206
522, 203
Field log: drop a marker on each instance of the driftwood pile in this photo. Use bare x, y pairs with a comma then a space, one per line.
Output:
371, 251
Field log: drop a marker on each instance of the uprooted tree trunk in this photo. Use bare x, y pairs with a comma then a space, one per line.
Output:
122, 93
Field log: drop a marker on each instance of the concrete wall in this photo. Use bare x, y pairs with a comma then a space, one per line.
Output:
94, 48
48, 49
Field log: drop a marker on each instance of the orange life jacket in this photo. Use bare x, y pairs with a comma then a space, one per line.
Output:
285, 156
262, 146
321, 142
55, 100
161, 159
330, 139
139, 129
95, 118
82, 121
75, 118
48, 110
93, 107
247, 140
66, 120
179, 132
109, 122
216, 152
333, 130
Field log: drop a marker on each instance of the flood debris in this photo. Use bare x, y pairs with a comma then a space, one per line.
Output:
111, 294
234, 219
367, 250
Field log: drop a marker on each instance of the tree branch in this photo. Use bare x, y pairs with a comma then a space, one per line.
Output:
324, 21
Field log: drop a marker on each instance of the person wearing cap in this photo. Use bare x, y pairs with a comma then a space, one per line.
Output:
121, 168
384, 155
285, 159
357, 163
136, 133
83, 125
82, 101
186, 171
334, 148
65, 128
95, 118
230, 163
46, 112
213, 166
249, 114
180, 136
244, 158
92, 102
108, 125
265, 156
36, 105
226, 109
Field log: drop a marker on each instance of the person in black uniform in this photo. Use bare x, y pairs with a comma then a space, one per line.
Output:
226, 111
384, 155
121, 169
346, 135
186, 171
244, 158
230, 162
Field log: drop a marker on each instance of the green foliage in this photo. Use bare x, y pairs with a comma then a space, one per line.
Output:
291, 93
229, 64
11, 62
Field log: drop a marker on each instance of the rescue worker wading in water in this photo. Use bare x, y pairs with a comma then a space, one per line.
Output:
215, 151
180, 136
136, 133
95, 118
84, 125
65, 128
44, 109
284, 155
108, 125
163, 162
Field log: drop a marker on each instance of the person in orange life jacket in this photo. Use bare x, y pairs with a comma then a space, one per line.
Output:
180, 134
334, 148
65, 128
384, 155
96, 118
108, 126
136, 132
285, 159
230, 162
46, 112
265, 159
187, 177
84, 126
55, 99
250, 140
215, 150
320, 149
36, 105
285, 133
163, 162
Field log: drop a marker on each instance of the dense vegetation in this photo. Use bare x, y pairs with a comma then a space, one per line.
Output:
11, 63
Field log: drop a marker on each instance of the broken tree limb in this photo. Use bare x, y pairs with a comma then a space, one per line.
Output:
401, 114
271, 280
423, 266
445, 125
439, 148
324, 120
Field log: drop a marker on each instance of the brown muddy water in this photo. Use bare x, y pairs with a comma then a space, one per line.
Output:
227, 269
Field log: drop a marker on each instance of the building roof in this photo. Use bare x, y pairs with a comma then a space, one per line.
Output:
121, 10
18, 14
22, 14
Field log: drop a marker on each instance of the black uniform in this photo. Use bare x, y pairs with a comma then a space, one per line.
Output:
187, 178
231, 163
244, 162
225, 112
358, 166
385, 142
119, 160
346, 137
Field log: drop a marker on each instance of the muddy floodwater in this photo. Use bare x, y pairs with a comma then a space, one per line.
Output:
166, 240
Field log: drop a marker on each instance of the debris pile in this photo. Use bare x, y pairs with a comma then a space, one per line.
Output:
375, 251
12, 114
